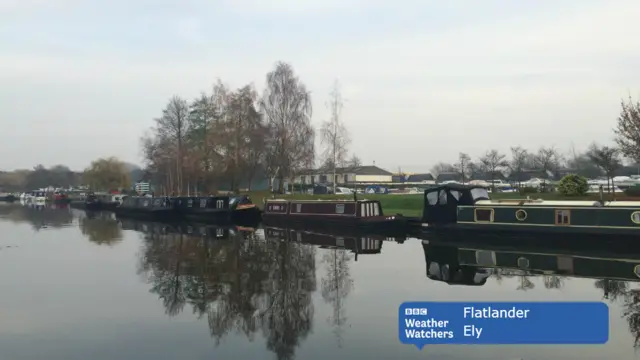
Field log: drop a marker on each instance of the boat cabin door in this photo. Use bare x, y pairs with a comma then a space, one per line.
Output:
440, 207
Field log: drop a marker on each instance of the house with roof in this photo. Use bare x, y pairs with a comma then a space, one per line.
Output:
526, 175
488, 176
368, 174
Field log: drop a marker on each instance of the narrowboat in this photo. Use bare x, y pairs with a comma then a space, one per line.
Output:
473, 265
454, 207
160, 208
60, 198
217, 208
357, 245
330, 213
7, 197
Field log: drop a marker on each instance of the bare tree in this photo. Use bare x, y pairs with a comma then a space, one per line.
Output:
173, 126
518, 162
547, 159
628, 129
493, 161
607, 159
462, 166
354, 161
286, 106
335, 136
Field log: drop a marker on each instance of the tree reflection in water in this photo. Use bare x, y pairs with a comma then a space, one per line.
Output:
244, 285
336, 286
100, 228
617, 290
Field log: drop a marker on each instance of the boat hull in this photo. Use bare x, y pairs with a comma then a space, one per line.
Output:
391, 225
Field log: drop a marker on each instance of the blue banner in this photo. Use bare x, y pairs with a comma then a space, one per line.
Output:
425, 323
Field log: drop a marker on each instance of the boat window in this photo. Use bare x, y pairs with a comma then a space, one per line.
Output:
456, 194
232, 201
521, 215
483, 215
376, 209
479, 193
220, 204
189, 203
432, 198
442, 197
485, 258
203, 203
636, 270
363, 210
157, 202
635, 217
145, 203
523, 263
298, 207
339, 208
563, 217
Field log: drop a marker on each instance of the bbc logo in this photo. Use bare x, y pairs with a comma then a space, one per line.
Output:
415, 311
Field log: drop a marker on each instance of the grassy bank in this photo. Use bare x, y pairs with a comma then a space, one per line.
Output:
411, 205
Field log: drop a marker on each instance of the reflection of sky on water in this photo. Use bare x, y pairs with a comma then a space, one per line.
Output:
67, 297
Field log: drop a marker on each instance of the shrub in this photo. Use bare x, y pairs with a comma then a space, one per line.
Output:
573, 185
632, 191
528, 190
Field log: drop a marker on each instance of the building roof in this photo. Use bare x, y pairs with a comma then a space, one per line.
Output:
358, 170
420, 177
449, 176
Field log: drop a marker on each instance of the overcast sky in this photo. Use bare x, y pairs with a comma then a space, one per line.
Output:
424, 80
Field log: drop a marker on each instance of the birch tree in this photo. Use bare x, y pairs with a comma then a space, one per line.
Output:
335, 137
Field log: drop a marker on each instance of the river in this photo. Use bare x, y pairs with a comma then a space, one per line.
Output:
78, 287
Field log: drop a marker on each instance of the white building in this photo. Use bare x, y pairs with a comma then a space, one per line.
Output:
348, 175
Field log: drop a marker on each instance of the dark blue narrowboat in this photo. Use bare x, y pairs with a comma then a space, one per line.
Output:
237, 209
155, 208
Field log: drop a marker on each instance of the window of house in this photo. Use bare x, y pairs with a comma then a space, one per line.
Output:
432, 198
563, 217
303, 179
442, 197
483, 215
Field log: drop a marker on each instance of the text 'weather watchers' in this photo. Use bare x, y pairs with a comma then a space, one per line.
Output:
424, 323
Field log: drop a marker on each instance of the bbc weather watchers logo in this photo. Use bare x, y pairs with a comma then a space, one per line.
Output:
415, 311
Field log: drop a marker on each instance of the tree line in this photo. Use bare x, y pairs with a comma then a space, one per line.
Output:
597, 160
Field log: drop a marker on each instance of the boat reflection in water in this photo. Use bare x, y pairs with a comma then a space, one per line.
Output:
616, 274
358, 244
38, 215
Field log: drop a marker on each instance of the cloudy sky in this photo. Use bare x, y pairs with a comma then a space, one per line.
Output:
424, 80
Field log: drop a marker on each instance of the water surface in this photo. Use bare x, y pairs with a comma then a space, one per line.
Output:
75, 287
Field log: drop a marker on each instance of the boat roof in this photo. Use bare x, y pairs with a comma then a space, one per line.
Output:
455, 186
320, 200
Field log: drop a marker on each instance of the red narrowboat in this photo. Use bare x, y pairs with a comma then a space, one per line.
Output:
366, 214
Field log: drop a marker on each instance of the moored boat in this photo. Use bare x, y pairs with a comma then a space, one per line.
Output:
330, 213
160, 208
463, 207
238, 209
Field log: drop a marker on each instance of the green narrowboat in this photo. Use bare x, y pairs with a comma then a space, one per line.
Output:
465, 207
472, 266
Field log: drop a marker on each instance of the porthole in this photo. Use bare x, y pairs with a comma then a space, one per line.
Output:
521, 215
636, 270
635, 217
523, 263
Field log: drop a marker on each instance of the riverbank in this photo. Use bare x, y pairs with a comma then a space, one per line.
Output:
412, 204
